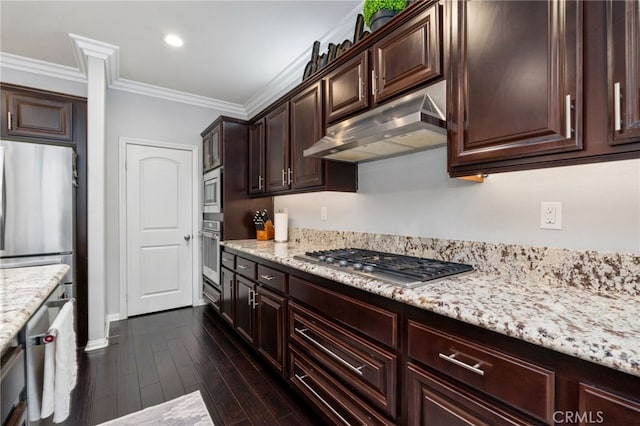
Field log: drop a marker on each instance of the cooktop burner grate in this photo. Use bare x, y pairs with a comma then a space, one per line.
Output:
408, 271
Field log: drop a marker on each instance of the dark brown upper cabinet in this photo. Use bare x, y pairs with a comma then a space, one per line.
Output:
257, 161
277, 149
347, 88
514, 80
289, 129
211, 149
306, 129
408, 56
30, 115
623, 34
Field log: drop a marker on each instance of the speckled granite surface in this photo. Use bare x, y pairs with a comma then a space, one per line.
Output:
22, 291
536, 306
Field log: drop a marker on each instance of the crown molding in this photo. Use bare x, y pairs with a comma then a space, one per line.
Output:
291, 76
226, 108
34, 66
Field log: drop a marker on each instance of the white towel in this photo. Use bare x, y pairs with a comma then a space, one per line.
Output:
60, 367
38, 324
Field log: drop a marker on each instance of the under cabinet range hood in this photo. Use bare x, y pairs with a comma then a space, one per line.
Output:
411, 123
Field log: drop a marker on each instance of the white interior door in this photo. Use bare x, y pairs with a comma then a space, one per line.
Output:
159, 240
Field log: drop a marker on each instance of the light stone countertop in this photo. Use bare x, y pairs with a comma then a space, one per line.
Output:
599, 327
22, 291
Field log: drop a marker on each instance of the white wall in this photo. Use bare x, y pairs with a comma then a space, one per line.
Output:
38, 81
141, 117
413, 195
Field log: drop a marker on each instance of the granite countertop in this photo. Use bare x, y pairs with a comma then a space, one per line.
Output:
597, 327
22, 291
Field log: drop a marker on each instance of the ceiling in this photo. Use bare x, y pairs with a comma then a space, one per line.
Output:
232, 49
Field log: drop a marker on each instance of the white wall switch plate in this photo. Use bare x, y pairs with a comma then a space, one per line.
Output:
551, 215
323, 213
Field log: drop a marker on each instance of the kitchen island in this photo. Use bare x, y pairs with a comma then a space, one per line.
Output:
595, 326
22, 291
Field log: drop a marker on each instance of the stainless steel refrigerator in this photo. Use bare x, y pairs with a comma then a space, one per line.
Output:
37, 205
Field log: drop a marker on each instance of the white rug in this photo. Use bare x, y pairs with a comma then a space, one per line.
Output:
185, 410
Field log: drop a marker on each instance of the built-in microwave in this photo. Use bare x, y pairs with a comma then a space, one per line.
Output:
213, 191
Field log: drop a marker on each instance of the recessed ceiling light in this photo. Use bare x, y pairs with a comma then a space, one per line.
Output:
172, 40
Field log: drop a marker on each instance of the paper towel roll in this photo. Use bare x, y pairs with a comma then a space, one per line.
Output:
281, 225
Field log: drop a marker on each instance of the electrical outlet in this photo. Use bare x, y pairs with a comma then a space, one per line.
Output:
551, 215
323, 213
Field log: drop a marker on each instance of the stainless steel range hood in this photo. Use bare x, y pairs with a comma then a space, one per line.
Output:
411, 123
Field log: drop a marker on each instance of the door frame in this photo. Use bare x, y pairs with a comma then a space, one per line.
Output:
195, 222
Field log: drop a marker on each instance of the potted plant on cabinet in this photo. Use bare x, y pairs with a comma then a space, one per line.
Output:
377, 12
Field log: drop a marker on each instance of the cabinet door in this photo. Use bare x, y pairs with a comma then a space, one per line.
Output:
256, 158
435, 402
624, 70
408, 56
277, 144
216, 148
244, 307
347, 88
206, 152
270, 327
515, 71
306, 129
226, 298
32, 116
600, 406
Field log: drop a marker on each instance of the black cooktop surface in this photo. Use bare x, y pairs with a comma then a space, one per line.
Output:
408, 271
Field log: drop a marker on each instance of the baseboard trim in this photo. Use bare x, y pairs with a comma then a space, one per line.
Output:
93, 345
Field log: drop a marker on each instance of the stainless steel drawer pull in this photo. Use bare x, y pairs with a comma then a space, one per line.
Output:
326, 404
9, 120
226, 259
302, 332
260, 179
242, 267
268, 277
452, 358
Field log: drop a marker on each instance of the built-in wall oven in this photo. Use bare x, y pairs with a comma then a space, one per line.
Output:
213, 191
211, 235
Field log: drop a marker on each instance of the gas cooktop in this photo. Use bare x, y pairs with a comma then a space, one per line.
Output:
405, 271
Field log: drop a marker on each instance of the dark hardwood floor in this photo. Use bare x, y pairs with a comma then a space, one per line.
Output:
158, 357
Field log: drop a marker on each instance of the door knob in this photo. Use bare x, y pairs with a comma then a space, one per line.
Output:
187, 237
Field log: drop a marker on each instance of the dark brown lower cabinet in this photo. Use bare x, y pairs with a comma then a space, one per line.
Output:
270, 327
363, 366
245, 307
336, 402
227, 278
362, 359
598, 406
435, 402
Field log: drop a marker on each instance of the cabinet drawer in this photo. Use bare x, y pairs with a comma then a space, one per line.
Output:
523, 385
246, 267
333, 399
599, 406
431, 400
368, 369
212, 294
12, 380
272, 278
372, 321
229, 260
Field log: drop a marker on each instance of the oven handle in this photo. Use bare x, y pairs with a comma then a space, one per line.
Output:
212, 235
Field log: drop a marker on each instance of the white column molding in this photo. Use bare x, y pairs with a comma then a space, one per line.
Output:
99, 61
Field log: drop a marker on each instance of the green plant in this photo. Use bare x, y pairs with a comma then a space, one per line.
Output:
372, 6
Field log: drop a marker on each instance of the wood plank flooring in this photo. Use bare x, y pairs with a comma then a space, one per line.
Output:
158, 357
